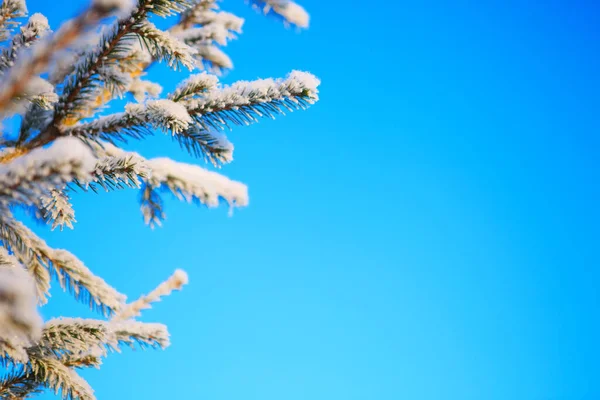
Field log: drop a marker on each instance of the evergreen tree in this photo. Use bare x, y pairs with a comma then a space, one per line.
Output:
56, 84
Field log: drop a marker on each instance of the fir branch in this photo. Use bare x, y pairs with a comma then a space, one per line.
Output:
192, 183
111, 128
143, 334
135, 122
71, 273
54, 375
165, 47
15, 236
18, 384
244, 102
116, 172
133, 310
212, 146
194, 86
57, 210
83, 361
68, 337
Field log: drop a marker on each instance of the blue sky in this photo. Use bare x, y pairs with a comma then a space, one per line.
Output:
428, 230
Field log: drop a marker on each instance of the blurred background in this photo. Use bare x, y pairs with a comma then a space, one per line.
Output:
428, 230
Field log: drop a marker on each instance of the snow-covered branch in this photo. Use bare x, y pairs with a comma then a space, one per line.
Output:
71, 273
186, 181
143, 334
57, 209
53, 374
244, 102
133, 310
27, 178
135, 122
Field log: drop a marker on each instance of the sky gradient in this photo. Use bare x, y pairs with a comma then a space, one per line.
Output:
428, 230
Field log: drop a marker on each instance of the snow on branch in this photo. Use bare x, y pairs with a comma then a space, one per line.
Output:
27, 178
244, 102
291, 12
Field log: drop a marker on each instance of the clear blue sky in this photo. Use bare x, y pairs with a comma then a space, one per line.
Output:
428, 230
